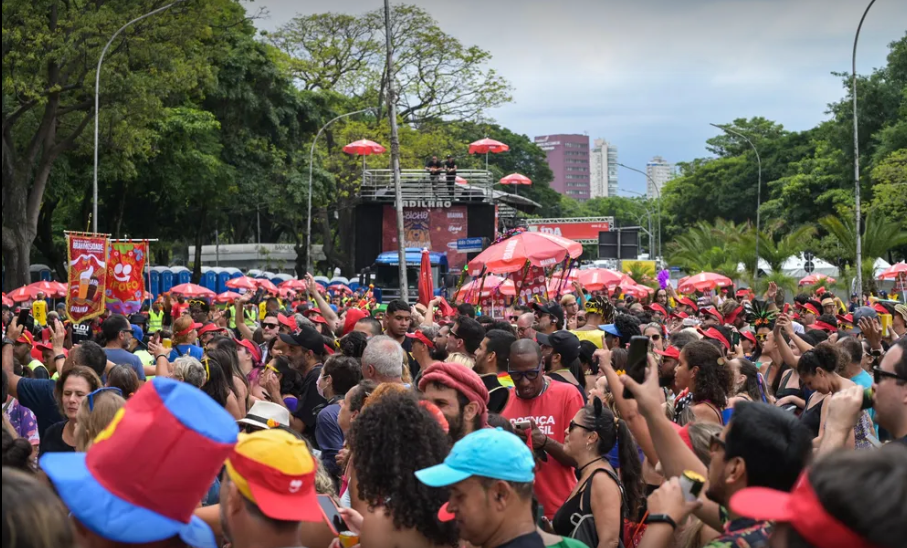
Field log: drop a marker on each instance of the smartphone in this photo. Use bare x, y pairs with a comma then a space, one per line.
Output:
636, 361
24, 313
735, 339
332, 514
522, 425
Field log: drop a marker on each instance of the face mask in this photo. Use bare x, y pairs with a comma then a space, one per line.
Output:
318, 387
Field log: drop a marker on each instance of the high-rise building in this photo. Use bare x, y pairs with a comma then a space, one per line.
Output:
568, 158
660, 171
603, 170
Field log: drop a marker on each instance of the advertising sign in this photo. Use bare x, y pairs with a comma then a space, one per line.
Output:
529, 283
87, 281
437, 229
469, 245
125, 276
580, 230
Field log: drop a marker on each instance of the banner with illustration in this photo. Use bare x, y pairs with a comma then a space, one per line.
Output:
531, 285
437, 229
87, 280
125, 276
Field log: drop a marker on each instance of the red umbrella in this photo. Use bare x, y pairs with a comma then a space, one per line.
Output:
638, 291
515, 179
484, 146
364, 147
192, 291
22, 294
704, 281
596, 279
226, 297
7, 301
242, 282
814, 279
267, 285
295, 285
491, 285
894, 271
426, 284
461, 181
340, 287
539, 248
50, 289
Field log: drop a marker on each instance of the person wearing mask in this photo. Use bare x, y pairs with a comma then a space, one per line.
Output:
591, 436
304, 349
492, 361
549, 317
562, 363
460, 395
465, 337
72, 387
338, 376
525, 326
762, 446
255, 510
150, 440
382, 360
541, 412
490, 475
185, 339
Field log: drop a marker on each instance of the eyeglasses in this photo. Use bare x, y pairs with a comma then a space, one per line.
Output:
574, 425
878, 374
454, 334
531, 375
655, 337
716, 443
270, 326
91, 395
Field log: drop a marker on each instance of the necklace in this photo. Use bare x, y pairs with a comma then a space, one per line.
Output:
579, 471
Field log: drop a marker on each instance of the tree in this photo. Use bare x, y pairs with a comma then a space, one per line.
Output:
50, 51
879, 236
703, 248
435, 75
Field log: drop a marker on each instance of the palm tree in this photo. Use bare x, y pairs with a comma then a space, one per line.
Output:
708, 248
879, 236
793, 243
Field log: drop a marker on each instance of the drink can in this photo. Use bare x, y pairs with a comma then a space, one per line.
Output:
867, 399
348, 539
691, 483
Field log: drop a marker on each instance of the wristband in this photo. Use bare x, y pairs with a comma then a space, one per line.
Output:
544, 443
60, 357
661, 518
159, 356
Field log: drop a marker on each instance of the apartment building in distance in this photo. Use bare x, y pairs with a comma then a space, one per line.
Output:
660, 171
568, 158
602, 169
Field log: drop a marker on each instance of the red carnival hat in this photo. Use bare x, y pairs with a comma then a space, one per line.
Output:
688, 302
712, 333
655, 307
669, 352
419, 336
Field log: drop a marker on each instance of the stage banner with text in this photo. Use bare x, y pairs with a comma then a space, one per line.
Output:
531, 285
87, 281
125, 276
435, 228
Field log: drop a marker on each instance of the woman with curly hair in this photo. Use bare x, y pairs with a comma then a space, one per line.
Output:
703, 376
627, 327
391, 439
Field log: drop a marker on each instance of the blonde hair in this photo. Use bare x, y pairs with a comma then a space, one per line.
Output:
179, 325
90, 422
189, 370
381, 391
462, 359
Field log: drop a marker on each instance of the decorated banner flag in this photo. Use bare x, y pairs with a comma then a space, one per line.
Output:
125, 276
531, 284
87, 282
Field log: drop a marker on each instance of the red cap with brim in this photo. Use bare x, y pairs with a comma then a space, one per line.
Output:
748, 335
318, 318
279, 496
184, 332
828, 328
252, 348
209, 328
419, 336
845, 318
26, 338
669, 352
287, 321
714, 313
655, 307
688, 302
680, 315
712, 333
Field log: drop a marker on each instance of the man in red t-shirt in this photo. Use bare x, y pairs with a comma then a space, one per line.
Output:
544, 409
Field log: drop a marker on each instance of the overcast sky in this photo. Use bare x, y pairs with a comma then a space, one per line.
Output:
649, 75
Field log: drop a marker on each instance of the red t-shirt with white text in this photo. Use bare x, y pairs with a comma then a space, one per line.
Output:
552, 411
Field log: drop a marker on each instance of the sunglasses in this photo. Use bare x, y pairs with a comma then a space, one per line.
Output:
716, 443
574, 425
91, 395
878, 375
531, 375
454, 334
761, 336
655, 337
270, 326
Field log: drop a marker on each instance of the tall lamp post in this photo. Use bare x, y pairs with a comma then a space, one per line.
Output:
658, 194
308, 237
97, 87
856, 159
758, 188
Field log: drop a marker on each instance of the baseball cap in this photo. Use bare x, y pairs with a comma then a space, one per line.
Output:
566, 344
669, 352
542, 339
209, 327
26, 338
859, 314
275, 470
655, 307
288, 321
688, 302
552, 308
610, 329
712, 312
317, 318
307, 337
419, 336
489, 453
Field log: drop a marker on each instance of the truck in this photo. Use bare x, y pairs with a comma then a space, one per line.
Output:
384, 274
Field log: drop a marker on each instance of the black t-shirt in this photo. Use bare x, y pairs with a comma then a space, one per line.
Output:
308, 401
497, 393
52, 440
414, 367
433, 165
38, 395
451, 166
532, 540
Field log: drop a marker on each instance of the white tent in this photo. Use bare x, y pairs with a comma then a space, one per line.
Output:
879, 266
793, 267
763, 267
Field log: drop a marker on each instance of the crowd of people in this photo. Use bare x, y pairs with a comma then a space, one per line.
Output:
324, 421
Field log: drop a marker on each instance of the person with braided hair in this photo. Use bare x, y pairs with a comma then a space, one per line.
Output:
599, 311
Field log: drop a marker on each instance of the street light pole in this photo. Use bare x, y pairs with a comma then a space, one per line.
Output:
856, 159
97, 86
658, 194
758, 189
308, 237
652, 251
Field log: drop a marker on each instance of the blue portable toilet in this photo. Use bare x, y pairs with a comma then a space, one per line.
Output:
209, 278
39, 273
222, 277
181, 275
165, 276
154, 282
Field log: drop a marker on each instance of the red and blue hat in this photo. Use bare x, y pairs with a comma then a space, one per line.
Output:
146, 472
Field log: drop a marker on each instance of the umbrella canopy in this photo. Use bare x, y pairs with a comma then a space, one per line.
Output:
226, 297
342, 288
192, 290
538, 248
638, 291
493, 284
426, 284
484, 146
461, 181
294, 284
596, 279
704, 281
814, 279
267, 285
52, 290
364, 147
515, 179
894, 271
242, 282
22, 294
7, 301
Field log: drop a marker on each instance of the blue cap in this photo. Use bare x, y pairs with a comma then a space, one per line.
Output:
137, 332
610, 329
490, 453
859, 314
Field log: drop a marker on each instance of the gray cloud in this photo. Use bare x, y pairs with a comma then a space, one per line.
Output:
650, 75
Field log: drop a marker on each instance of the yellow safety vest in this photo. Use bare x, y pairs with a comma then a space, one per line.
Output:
35, 364
155, 321
247, 314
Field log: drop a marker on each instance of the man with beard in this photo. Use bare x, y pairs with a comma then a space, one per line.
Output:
550, 317
304, 349
440, 339
465, 337
541, 412
761, 446
525, 326
460, 395
492, 360
268, 491
670, 357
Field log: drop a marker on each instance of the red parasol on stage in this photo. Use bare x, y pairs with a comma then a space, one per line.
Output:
894, 271
538, 248
461, 181
515, 179
704, 281
364, 147
192, 291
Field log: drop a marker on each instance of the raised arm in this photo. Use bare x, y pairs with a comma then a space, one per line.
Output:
326, 312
